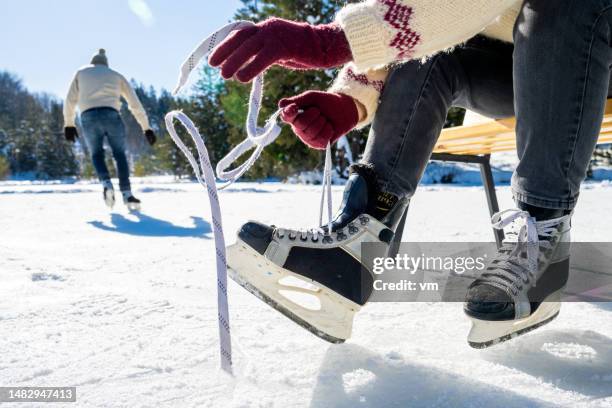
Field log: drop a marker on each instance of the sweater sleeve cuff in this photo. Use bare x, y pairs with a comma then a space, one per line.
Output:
365, 88
367, 35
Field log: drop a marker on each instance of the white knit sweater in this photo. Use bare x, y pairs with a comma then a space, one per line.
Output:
97, 86
383, 32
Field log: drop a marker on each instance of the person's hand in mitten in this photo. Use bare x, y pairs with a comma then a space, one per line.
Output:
71, 134
250, 51
318, 118
150, 135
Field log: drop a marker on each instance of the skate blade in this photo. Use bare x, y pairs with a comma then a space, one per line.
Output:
109, 198
485, 333
332, 322
133, 207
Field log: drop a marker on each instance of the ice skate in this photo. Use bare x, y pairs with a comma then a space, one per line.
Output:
131, 202
521, 289
108, 194
312, 276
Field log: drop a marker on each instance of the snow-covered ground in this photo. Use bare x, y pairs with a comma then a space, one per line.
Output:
124, 307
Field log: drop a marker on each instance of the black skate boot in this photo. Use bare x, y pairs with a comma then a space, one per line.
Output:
286, 267
108, 194
521, 289
132, 203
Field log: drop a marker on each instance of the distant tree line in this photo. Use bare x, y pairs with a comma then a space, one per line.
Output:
31, 135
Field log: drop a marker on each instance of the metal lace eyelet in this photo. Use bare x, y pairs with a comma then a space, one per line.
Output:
292, 235
341, 236
315, 238
352, 229
327, 239
280, 233
364, 220
304, 236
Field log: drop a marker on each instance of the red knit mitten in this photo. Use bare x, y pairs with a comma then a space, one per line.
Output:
252, 50
320, 117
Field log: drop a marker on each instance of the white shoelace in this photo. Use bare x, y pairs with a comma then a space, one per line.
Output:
257, 138
524, 233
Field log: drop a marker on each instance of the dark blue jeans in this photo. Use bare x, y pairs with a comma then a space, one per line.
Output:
100, 123
554, 79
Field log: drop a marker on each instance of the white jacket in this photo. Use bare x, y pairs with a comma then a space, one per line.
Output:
97, 86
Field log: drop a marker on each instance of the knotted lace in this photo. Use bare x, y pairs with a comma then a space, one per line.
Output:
518, 260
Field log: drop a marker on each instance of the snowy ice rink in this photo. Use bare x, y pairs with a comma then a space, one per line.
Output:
123, 307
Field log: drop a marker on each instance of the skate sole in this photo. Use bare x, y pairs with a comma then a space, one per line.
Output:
490, 333
267, 275
511, 336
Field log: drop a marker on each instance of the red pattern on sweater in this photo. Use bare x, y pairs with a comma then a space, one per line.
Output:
399, 17
364, 80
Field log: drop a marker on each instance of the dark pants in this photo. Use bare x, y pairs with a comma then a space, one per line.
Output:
100, 123
554, 79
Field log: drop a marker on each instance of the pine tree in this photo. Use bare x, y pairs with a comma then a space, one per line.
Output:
5, 168
204, 109
54, 155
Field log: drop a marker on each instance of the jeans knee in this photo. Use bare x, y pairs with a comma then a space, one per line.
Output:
415, 74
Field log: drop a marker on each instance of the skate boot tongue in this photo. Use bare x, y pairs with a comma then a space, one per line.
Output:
363, 196
354, 201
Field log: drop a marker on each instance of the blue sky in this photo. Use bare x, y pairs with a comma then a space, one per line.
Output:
45, 42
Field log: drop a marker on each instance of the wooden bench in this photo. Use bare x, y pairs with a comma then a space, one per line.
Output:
474, 143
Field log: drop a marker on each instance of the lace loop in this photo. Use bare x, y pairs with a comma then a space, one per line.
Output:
517, 264
257, 138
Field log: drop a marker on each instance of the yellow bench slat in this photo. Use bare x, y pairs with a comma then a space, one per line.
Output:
498, 136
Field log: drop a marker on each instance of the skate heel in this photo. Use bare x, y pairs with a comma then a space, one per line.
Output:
487, 333
329, 316
133, 207
131, 202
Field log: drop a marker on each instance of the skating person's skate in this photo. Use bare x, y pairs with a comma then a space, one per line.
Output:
108, 194
311, 276
131, 202
521, 289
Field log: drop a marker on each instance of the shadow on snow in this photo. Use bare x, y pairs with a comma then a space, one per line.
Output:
147, 226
